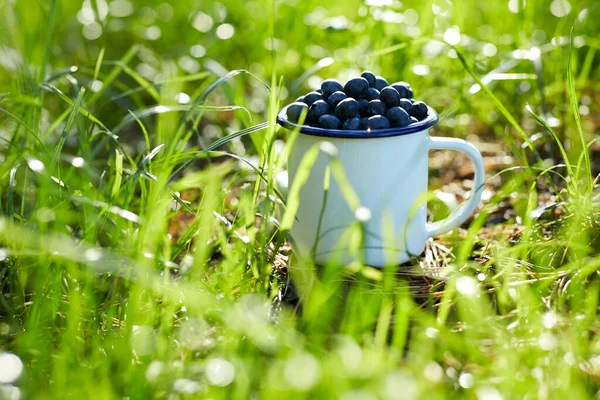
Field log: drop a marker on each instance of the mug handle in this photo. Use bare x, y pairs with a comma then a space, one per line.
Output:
463, 212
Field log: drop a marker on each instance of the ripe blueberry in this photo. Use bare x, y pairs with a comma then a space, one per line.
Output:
295, 110
419, 110
357, 88
364, 123
376, 107
318, 90
397, 116
390, 96
363, 107
317, 109
301, 99
330, 86
329, 121
346, 109
351, 124
413, 120
312, 97
335, 98
380, 83
406, 104
370, 77
378, 122
372, 94
403, 89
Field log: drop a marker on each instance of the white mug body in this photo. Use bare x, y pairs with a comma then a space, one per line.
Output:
387, 171
389, 177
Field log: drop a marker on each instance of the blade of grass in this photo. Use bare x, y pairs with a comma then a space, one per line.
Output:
68, 126
98, 64
216, 144
114, 73
575, 109
497, 103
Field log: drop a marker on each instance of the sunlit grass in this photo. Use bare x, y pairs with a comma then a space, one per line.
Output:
143, 236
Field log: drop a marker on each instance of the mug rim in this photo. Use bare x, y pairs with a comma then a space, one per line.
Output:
431, 120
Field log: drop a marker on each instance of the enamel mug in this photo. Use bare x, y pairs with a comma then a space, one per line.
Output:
387, 170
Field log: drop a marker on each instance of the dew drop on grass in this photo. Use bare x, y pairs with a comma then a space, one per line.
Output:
452, 36
362, 214
154, 370
120, 8
78, 162
302, 371
219, 372
547, 341
10, 392
197, 51
186, 386
431, 332
92, 31
225, 31
569, 358
202, 22
400, 386
489, 393
549, 319
350, 353
467, 286
93, 254
96, 86
433, 371
35, 165
466, 380
3, 254
489, 50
560, 8
11, 367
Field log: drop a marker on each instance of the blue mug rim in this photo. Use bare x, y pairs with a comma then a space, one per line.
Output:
431, 120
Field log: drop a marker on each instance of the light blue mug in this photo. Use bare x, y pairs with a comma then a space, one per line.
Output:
388, 171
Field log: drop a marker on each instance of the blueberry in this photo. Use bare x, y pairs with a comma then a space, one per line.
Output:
413, 120
397, 116
318, 90
390, 96
403, 89
312, 97
378, 122
370, 77
329, 121
330, 86
335, 98
380, 83
295, 110
346, 109
376, 107
351, 124
372, 94
363, 107
301, 99
406, 104
357, 88
410, 94
364, 123
317, 110
419, 110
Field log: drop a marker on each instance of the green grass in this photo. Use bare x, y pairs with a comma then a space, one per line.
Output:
142, 236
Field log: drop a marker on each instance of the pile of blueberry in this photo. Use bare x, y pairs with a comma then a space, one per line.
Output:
366, 102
